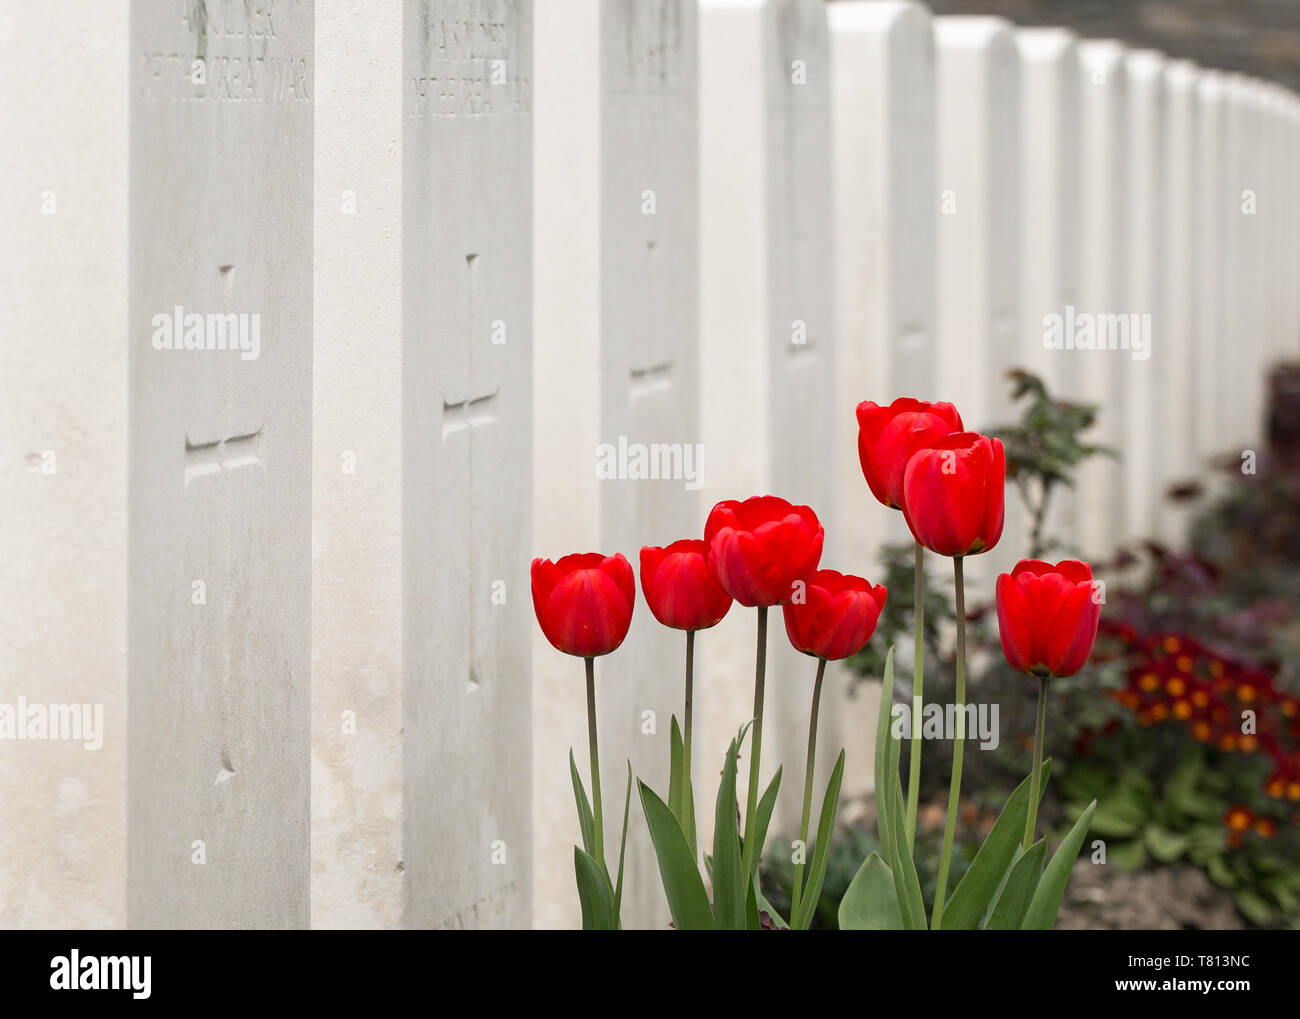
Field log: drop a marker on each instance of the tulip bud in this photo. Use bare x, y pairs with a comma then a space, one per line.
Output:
953, 492
837, 617
760, 547
889, 436
1047, 617
680, 587
584, 602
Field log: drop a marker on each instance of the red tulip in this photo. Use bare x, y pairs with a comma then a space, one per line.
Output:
837, 617
680, 587
761, 546
1047, 616
952, 494
889, 436
584, 601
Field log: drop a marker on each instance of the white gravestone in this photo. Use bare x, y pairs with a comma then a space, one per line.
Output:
423, 718
1049, 226
616, 366
766, 329
882, 104
978, 109
882, 63
219, 589
1103, 216
1146, 365
1280, 246
467, 211
1175, 359
1246, 203
63, 458
1211, 268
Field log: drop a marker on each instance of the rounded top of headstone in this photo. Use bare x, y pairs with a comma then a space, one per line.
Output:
875, 15
973, 31
1045, 44
1102, 52
1182, 72
1210, 84
1145, 64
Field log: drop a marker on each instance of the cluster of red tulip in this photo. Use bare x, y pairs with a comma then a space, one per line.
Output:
1177, 679
764, 551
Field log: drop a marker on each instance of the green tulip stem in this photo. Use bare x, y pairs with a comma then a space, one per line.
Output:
686, 725
595, 764
918, 685
958, 747
748, 861
807, 788
1040, 729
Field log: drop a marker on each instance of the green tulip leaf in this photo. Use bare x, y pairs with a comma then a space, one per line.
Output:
763, 817
1043, 907
761, 903
871, 902
883, 788
907, 882
825, 829
974, 892
594, 893
680, 801
1025, 873
728, 884
688, 901
676, 754
622, 850
585, 820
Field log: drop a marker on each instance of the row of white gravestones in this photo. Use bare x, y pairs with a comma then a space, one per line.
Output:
377, 183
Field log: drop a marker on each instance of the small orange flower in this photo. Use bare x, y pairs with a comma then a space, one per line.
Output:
1184, 663
1200, 697
1159, 711
1228, 742
1148, 682
1275, 788
1249, 743
1182, 709
1175, 686
1171, 645
1293, 791
1290, 707
1201, 731
1216, 668
1238, 818
1265, 827
1234, 840
1246, 693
